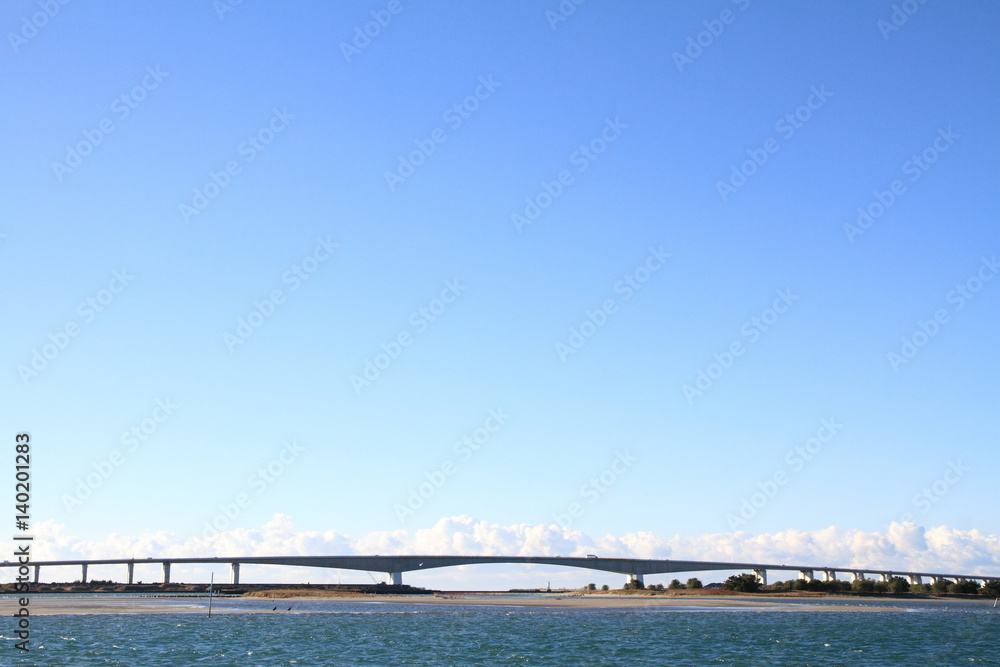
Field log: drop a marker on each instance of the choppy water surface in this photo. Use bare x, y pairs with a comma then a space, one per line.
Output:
358, 633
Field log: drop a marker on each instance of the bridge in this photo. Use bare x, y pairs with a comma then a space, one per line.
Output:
633, 568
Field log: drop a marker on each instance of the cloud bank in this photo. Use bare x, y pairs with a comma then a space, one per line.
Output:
903, 546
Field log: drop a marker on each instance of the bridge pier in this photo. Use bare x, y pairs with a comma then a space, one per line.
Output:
394, 566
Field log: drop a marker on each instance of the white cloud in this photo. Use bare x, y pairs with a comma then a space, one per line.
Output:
903, 546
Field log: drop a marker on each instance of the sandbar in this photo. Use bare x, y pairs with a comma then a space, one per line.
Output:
97, 604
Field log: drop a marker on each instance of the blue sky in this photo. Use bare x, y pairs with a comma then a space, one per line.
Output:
289, 135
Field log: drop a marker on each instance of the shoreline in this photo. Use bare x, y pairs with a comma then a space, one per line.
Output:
100, 604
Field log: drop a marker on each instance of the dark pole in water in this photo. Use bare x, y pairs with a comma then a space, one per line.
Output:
211, 583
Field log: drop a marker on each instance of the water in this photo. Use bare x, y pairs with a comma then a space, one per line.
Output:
359, 633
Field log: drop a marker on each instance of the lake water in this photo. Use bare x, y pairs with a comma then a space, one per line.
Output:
361, 633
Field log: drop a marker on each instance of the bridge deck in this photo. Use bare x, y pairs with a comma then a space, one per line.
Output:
407, 563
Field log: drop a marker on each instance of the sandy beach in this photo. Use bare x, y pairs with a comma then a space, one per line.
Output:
171, 605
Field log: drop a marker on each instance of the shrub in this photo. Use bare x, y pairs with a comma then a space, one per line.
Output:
863, 585
836, 586
940, 587
964, 587
898, 585
992, 588
742, 583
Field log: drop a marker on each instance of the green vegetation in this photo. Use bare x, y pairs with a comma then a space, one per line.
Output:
747, 583
634, 586
898, 585
940, 587
964, 588
742, 583
895, 586
863, 586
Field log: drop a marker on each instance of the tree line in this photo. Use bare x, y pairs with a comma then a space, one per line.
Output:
747, 583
